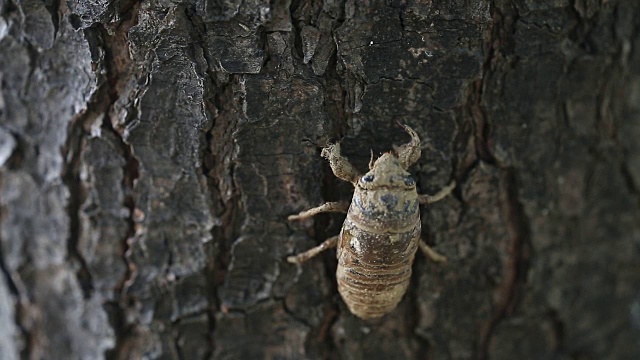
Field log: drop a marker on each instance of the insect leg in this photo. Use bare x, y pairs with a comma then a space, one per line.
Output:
341, 206
302, 257
431, 254
341, 167
430, 199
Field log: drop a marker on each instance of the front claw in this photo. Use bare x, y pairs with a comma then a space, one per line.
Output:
340, 166
410, 152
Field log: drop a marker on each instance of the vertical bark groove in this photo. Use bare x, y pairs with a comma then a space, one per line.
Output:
517, 250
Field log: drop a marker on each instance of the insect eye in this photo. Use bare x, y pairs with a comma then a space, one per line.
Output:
409, 181
367, 178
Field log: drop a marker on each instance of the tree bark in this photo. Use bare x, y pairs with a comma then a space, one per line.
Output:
151, 151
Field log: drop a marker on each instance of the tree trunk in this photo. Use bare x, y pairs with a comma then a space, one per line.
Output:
151, 151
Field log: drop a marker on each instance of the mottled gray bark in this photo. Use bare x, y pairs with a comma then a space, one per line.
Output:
151, 151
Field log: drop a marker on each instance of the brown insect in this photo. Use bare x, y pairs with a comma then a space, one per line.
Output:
381, 234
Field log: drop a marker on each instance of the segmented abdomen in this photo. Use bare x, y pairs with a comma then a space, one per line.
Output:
374, 268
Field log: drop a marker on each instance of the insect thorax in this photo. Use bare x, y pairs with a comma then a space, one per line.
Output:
384, 209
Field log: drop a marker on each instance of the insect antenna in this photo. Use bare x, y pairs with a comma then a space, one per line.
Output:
371, 161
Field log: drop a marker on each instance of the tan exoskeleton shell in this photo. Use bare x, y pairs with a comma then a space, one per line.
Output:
381, 234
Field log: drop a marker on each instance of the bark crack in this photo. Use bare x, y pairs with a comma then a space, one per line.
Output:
113, 46
498, 42
219, 164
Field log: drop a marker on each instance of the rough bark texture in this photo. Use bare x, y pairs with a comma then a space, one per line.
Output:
151, 151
